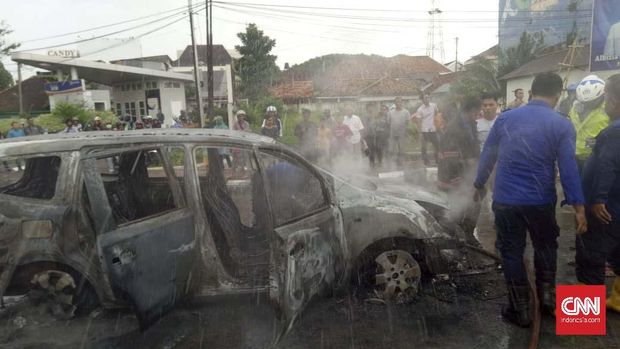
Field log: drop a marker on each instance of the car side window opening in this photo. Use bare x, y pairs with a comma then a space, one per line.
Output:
33, 177
294, 191
233, 199
136, 184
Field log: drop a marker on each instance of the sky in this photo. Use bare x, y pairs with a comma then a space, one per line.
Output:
302, 29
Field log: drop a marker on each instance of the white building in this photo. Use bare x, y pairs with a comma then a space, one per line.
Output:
132, 90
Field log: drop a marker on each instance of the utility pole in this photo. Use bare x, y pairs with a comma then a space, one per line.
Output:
456, 56
209, 26
19, 88
195, 59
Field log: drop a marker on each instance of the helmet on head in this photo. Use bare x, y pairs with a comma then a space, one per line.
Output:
590, 88
271, 108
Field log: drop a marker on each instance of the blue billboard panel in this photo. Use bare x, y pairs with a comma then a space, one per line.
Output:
550, 25
64, 86
605, 47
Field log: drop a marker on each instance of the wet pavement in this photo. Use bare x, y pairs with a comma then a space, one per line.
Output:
462, 312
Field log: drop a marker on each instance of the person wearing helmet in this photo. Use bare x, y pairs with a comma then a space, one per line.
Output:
241, 124
272, 112
588, 116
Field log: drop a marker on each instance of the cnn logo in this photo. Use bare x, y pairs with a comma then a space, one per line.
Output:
580, 311
586, 306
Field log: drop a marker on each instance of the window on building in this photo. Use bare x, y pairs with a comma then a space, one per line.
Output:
119, 109
139, 86
132, 108
123, 88
37, 180
167, 84
202, 84
142, 109
127, 110
176, 84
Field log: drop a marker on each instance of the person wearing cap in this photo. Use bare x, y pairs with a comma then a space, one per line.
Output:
272, 112
518, 101
241, 124
33, 129
97, 125
588, 116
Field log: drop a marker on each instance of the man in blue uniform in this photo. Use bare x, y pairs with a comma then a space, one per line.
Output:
601, 185
526, 143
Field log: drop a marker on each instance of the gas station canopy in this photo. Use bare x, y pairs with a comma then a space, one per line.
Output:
99, 72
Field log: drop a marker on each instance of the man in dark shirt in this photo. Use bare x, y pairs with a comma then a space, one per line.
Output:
601, 185
459, 146
33, 129
459, 152
526, 143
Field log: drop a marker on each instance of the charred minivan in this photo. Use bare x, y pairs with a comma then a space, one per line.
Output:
148, 218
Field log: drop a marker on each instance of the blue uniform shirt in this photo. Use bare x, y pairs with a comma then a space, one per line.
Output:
601, 182
527, 143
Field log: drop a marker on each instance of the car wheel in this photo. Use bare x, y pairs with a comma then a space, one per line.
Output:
394, 276
59, 292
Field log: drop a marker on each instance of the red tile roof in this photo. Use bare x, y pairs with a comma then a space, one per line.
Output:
292, 91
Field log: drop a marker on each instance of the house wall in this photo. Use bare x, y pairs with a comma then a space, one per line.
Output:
86, 98
171, 98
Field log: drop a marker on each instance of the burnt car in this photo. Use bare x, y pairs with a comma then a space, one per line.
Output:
150, 218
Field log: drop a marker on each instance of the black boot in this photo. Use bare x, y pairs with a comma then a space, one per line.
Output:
518, 311
545, 289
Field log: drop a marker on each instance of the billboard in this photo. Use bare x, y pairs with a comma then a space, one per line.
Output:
605, 46
548, 24
68, 86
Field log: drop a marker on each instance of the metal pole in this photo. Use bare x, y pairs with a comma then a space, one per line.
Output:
195, 58
456, 59
210, 58
19, 88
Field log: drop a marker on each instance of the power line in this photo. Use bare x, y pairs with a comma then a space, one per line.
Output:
103, 35
267, 11
104, 26
380, 10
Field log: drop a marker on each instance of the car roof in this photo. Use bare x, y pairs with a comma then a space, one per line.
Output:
63, 142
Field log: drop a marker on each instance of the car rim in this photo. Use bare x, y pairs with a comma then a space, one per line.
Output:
398, 275
56, 289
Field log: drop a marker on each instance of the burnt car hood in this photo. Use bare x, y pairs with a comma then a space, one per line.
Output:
357, 201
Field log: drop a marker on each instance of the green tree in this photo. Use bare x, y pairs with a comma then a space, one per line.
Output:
5, 47
257, 67
6, 79
530, 46
479, 78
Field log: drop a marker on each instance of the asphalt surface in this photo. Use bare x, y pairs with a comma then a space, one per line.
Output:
462, 312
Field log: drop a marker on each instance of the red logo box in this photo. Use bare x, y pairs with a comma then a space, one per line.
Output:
580, 310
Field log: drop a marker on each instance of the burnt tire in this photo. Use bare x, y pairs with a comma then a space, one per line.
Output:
392, 276
63, 294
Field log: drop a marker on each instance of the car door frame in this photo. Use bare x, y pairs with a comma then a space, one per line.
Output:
145, 284
292, 241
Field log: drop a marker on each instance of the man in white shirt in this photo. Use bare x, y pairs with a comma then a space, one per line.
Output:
354, 123
489, 115
425, 118
399, 118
